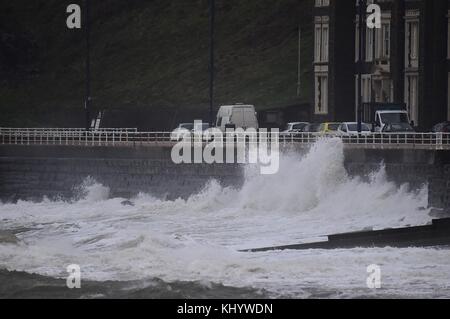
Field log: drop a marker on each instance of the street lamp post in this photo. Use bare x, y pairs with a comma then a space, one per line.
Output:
299, 57
87, 101
362, 43
211, 59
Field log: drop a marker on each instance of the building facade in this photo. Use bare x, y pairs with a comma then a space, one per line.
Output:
405, 60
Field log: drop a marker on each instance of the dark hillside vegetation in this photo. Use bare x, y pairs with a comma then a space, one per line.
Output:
149, 59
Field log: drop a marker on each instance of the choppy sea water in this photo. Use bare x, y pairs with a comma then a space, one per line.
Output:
158, 248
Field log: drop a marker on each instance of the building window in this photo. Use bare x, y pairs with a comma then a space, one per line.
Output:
412, 46
383, 41
382, 89
317, 41
377, 40
325, 41
369, 44
321, 39
412, 96
386, 29
321, 94
412, 40
366, 90
322, 3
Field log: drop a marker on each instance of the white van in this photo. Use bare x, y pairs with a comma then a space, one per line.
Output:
237, 116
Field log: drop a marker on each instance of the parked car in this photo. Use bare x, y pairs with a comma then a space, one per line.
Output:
329, 128
295, 127
398, 128
443, 127
351, 129
200, 126
184, 129
237, 116
381, 114
312, 128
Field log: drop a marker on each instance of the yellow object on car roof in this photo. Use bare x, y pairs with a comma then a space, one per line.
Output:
329, 127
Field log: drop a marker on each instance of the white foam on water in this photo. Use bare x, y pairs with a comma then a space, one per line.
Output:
198, 239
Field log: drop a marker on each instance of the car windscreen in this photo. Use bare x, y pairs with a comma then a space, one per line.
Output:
298, 126
312, 128
400, 127
443, 127
354, 128
389, 118
189, 127
333, 127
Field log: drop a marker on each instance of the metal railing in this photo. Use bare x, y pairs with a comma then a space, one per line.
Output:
438, 141
131, 137
5, 130
110, 137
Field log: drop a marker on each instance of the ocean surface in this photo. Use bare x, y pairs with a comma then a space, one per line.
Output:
148, 247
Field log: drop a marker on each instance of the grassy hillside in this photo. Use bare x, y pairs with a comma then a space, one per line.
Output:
149, 56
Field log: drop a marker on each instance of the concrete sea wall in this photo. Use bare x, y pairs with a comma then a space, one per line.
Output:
415, 167
30, 172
